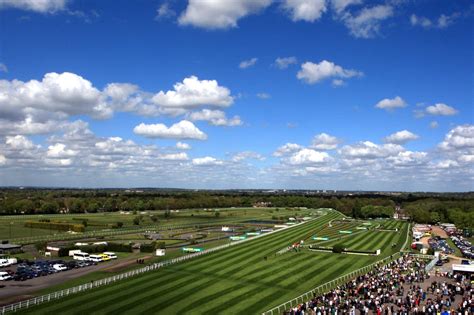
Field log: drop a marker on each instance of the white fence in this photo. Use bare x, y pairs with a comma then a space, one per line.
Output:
98, 283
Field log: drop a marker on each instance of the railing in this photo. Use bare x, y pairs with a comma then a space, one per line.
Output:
98, 283
338, 281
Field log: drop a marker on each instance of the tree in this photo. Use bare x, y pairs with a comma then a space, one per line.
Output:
217, 214
136, 220
119, 224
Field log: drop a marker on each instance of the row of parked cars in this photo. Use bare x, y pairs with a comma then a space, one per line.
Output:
464, 246
439, 244
82, 256
29, 269
33, 269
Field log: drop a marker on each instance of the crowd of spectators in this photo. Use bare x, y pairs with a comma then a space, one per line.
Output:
398, 288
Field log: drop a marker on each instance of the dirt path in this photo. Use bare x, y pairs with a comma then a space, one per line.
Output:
439, 231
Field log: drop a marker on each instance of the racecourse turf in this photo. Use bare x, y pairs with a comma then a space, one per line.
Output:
236, 280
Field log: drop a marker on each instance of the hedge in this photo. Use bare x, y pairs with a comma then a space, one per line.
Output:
59, 226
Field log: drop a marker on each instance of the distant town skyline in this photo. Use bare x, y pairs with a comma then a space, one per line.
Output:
292, 94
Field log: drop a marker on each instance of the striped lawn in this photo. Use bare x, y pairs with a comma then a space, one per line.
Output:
234, 280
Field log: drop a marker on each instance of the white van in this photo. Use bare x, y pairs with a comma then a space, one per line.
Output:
81, 256
95, 258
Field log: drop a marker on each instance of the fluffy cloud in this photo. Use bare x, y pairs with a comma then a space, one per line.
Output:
248, 63
308, 156
3, 159
59, 150
181, 156
460, 137
401, 137
181, 130
206, 161
434, 124
324, 141
19, 142
305, 10
287, 149
192, 93
247, 155
215, 117
313, 73
183, 146
441, 109
65, 93
392, 103
285, 62
219, 14
369, 150
41, 6
366, 23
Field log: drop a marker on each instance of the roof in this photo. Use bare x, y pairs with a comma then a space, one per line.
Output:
9, 246
463, 268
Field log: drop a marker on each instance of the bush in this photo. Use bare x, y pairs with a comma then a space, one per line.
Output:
119, 247
147, 248
338, 248
41, 245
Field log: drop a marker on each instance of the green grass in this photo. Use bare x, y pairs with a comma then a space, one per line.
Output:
12, 227
233, 280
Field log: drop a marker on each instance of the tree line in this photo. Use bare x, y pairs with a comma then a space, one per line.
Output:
422, 207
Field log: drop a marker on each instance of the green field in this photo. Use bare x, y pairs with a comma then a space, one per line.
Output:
12, 227
234, 280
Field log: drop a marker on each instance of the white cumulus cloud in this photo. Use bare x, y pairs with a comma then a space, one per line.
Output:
401, 137
206, 161
313, 73
211, 14
305, 10
441, 109
391, 103
308, 156
215, 117
193, 92
324, 141
181, 130
40, 6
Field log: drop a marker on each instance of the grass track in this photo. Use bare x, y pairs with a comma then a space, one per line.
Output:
230, 281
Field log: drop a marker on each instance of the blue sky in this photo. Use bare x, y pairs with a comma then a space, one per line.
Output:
311, 94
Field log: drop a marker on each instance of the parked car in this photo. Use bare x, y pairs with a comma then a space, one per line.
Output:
111, 255
5, 276
59, 267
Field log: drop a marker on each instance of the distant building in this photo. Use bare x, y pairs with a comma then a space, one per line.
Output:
9, 248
